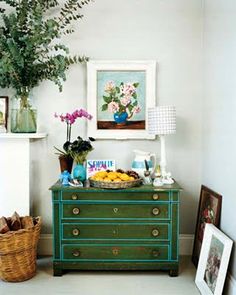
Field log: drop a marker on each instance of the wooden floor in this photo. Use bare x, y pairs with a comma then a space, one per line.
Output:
105, 283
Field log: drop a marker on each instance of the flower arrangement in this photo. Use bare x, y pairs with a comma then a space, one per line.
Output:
79, 148
121, 98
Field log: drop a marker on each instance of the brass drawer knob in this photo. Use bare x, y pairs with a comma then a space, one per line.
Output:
75, 232
76, 211
155, 211
74, 197
76, 253
115, 210
155, 197
155, 232
155, 253
115, 252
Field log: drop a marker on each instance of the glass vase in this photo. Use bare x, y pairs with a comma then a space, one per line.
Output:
23, 114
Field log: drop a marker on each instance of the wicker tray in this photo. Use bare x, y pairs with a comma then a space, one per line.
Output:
115, 185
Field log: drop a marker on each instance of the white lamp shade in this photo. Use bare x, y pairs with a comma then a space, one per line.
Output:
162, 120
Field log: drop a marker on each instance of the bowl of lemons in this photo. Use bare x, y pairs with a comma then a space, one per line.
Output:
115, 179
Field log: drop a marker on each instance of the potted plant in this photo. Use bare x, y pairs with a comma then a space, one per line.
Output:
79, 150
70, 150
31, 51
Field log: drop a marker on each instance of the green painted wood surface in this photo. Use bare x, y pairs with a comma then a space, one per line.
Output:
110, 216
149, 196
115, 211
115, 252
79, 231
143, 188
151, 265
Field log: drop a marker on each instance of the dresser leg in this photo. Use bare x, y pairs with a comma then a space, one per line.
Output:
173, 272
57, 272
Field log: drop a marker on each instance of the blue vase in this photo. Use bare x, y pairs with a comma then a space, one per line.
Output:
79, 172
120, 118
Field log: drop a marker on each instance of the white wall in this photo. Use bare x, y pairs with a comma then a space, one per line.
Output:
163, 30
219, 119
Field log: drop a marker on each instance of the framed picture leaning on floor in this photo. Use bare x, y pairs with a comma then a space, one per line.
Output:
209, 209
213, 261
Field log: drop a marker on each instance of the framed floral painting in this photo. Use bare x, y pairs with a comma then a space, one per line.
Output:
119, 94
213, 261
209, 210
3, 113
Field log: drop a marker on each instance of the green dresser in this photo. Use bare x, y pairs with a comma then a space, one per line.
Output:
128, 229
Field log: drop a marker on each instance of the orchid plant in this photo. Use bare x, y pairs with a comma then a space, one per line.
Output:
70, 119
121, 98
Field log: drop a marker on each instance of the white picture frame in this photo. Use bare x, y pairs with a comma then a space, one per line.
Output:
213, 261
140, 74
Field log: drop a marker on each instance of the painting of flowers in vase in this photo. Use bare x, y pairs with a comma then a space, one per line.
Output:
121, 100
119, 94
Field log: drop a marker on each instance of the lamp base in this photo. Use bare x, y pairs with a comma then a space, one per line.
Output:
160, 181
168, 180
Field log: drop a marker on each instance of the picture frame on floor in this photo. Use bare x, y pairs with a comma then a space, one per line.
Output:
3, 113
119, 95
213, 261
209, 210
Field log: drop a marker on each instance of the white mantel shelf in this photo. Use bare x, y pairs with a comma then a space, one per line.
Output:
23, 135
15, 164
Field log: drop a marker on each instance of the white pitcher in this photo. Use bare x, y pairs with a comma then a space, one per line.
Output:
138, 164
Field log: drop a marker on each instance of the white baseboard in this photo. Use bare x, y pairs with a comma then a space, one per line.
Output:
45, 244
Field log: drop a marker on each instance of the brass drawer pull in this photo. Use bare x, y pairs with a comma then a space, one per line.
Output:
115, 210
115, 252
155, 197
76, 211
155, 253
76, 253
155, 232
75, 232
74, 197
155, 211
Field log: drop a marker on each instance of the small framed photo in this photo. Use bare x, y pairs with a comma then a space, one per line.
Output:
209, 210
94, 166
213, 261
3, 113
119, 95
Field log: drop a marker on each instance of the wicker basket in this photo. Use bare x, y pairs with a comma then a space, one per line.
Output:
115, 185
18, 251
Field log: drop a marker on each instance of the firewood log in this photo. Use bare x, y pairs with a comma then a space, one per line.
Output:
15, 222
26, 222
3, 226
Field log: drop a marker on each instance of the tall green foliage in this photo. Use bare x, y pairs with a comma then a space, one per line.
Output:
30, 46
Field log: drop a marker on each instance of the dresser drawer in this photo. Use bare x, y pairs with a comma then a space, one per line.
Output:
115, 231
115, 252
132, 196
116, 211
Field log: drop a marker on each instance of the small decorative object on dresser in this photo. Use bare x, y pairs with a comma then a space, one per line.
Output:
138, 165
93, 166
124, 229
3, 113
213, 261
208, 212
119, 93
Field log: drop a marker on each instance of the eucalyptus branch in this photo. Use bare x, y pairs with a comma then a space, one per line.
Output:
30, 51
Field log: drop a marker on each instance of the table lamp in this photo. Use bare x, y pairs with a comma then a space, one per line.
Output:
162, 121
